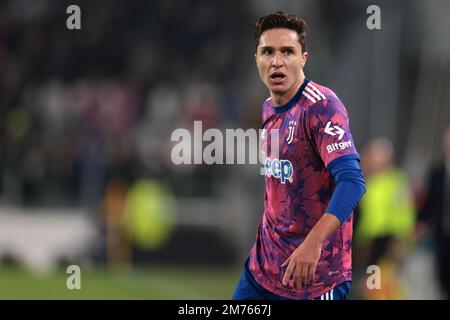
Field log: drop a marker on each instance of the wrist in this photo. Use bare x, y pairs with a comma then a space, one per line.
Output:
326, 225
314, 239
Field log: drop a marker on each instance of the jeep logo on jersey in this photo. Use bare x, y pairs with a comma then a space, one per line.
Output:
334, 130
280, 169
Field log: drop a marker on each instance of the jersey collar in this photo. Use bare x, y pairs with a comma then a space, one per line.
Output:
293, 100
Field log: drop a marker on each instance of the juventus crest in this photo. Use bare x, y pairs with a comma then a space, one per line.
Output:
291, 128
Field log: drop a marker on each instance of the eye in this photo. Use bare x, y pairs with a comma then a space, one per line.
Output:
288, 52
267, 51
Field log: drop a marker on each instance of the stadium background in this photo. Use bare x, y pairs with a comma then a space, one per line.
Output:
86, 118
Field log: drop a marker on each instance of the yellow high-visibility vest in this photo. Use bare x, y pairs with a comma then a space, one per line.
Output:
387, 208
149, 213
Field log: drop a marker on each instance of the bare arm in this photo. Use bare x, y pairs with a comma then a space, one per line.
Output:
302, 263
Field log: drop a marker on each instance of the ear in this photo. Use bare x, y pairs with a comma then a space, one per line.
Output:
304, 58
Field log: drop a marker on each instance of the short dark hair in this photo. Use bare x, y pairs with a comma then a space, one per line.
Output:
281, 19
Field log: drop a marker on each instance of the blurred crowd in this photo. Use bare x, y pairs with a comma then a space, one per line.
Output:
80, 108
397, 221
86, 118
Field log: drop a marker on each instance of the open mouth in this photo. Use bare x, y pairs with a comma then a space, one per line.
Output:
277, 76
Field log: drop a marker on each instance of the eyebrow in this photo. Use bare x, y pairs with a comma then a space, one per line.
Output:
281, 48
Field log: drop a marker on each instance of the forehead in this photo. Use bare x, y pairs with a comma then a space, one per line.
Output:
279, 37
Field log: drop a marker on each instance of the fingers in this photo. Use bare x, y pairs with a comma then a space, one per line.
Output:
298, 273
286, 262
303, 275
289, 271
312, 274
297, 276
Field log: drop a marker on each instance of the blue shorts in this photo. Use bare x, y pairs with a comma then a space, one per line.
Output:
248, 289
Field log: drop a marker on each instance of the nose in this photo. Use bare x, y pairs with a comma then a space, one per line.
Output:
277, 60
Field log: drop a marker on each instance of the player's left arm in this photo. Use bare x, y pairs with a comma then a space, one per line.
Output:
330, 132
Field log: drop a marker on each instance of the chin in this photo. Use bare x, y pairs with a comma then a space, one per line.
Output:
278, 90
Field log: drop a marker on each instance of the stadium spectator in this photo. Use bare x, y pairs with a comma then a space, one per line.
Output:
435, 213
387, 215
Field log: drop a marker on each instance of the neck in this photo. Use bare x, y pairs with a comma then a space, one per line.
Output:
282, 99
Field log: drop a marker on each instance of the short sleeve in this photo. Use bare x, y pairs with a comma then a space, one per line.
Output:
329, 129
267, 109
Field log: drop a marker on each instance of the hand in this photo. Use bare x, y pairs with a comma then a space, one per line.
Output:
302, 263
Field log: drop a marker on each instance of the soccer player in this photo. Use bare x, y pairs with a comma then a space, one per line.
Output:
303, 247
